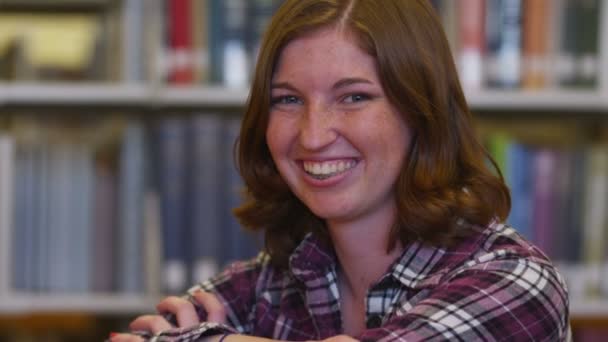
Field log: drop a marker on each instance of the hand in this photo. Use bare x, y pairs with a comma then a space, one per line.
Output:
184, 311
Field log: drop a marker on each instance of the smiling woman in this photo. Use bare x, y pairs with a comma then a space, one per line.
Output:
383, 221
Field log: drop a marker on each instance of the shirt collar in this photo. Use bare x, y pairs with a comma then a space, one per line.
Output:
312, 258
420, 265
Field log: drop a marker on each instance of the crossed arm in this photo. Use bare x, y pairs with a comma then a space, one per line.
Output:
185, 314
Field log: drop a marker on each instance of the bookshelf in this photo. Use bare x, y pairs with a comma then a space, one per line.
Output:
150, 96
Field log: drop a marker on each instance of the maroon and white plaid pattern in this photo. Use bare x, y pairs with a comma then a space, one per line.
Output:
494, 286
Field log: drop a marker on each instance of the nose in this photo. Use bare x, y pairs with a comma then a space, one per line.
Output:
317, 128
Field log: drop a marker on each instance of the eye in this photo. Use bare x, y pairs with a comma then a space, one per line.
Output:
358, 97
284, 100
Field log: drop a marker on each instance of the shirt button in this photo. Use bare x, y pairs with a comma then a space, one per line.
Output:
374, 321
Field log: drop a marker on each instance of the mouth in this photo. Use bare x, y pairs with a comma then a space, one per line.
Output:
328, 169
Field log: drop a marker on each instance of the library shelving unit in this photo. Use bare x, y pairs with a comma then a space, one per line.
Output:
155, 96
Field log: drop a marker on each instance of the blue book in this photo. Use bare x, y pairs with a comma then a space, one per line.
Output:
237, 243
204, 194
519, 180
131, 192
504, 42
172, 176
230, 57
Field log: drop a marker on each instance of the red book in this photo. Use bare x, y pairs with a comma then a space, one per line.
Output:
181, 66
471, 14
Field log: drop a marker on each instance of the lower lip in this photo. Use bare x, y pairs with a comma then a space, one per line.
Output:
328, 182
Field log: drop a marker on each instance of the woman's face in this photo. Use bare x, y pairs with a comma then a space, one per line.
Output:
333, 135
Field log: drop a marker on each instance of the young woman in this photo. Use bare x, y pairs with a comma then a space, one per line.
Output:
383, 221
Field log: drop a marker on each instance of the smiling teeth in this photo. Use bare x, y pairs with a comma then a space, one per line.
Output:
324, 170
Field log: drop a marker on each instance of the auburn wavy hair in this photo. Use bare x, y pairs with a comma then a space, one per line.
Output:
448, 175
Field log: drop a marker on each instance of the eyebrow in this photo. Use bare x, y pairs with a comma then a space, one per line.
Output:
340, 84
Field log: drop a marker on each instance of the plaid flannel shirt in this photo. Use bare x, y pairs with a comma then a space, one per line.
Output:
494, 286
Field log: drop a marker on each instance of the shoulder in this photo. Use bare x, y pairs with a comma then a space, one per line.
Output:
492, 283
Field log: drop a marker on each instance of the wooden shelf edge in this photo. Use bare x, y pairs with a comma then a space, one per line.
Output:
110, 304
589, 308
550, 99
146, 95
134, 304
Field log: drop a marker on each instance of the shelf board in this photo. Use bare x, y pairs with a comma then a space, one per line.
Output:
72, 94
556, 99
204, 96
589, 308
147, 96
21, 303
85, 303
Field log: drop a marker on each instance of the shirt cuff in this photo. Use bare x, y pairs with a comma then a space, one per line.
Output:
189, 334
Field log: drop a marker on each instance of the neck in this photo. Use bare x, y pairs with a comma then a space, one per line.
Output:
361, 249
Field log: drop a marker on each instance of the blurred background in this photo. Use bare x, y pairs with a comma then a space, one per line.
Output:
118, 118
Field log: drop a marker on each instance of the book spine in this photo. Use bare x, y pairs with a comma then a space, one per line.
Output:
105, 183
7, 164
544, 205
595, 217
133, 62
471, 27
181, 57
229, 55
260, 13
519, 179
503, 67
535, 43
578, 56
200, 40
204, 194
172, 166
131, 191
238, 244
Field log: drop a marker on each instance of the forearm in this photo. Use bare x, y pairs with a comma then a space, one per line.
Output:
235, 338
246, 338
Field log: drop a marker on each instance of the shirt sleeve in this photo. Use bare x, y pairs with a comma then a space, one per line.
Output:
508, 300
236, 289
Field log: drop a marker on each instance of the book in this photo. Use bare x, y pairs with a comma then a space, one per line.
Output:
200, 40
543, 215
578, 56
238, 244
260, 13
471, 28
133, 62
536, 31
7, 164
230, 58
172, 175
105, 232
504, 43
204, 194
519, 178
131, 193
595, 218
181, 54
27, 134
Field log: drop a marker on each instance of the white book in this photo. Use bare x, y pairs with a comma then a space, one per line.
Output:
7, 158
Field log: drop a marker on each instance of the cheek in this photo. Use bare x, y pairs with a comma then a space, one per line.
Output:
277, 139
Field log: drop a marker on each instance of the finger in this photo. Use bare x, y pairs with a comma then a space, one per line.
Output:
182, 309
150, 323
214, 308
125, 338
